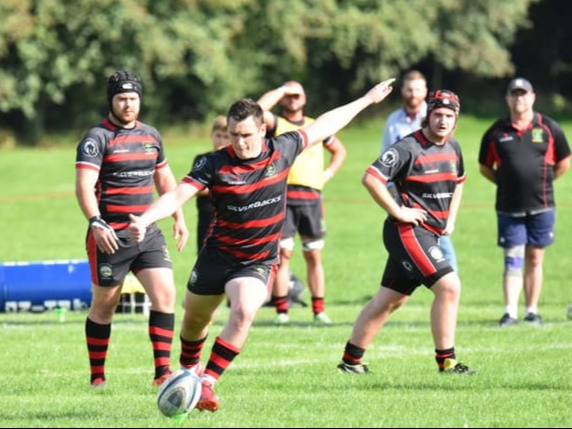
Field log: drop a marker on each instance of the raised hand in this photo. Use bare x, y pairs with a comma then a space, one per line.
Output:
381, 90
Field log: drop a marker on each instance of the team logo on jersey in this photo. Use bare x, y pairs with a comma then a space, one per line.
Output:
390, 157
537, 135
453, 167
270, 171
506, 138
436, 253
105, 271
201, 162
148, 148
89, 148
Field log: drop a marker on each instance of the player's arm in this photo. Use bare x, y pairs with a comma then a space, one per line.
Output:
104, 235
270, 99
561, 167
161, 208
165, 182
85, 181
383, 198
488, 172
562, 151
338, 156
331, 122
454, 209
487, 159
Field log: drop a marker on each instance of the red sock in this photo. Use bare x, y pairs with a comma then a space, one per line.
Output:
161, 326
97, 339
222, 355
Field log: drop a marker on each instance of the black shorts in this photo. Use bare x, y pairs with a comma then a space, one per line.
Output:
110, 270
307, 220
214, 269
414, 258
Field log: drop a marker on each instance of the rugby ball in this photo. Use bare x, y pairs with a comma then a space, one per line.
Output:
179, 393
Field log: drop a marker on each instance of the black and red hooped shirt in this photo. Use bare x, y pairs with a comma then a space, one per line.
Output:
425, 175
249, 196
524, 161
126, 160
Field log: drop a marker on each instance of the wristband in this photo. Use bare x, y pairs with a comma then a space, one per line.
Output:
98, 222
329, 174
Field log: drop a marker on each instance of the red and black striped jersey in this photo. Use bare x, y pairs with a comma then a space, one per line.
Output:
249, 196
425, 175
524, 162
126, 160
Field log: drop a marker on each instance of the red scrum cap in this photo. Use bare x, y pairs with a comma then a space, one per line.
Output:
443, 98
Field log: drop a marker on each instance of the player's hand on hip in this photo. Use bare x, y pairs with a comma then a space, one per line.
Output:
448, 229
136, 229
411, 215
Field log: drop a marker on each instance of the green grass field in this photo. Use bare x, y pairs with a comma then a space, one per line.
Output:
286, 375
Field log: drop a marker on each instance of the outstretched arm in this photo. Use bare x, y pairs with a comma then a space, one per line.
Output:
165, 206
165, 182
331, 122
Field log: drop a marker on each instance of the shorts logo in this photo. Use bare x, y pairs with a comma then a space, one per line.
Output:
105, 271
390, 157
260, 270
407, 265
89, 148
436, 253
537, 135
194, 277
166, 254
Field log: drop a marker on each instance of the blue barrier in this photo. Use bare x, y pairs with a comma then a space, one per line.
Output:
44, 285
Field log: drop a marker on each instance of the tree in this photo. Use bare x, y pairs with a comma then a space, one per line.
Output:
197, 56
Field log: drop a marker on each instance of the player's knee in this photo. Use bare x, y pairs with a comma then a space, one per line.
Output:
308, 246
513, 260
287, 244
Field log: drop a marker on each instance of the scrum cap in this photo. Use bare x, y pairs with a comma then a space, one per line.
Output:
123, 81
443, 98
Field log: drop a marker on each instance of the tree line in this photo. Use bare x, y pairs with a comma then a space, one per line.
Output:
195, 57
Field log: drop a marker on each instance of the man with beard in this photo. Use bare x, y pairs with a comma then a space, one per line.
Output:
119, 163
304, 204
